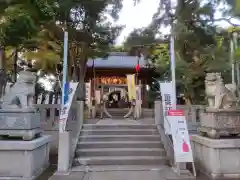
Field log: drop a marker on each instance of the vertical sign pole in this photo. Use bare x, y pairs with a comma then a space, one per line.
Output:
174, 99
173, 67
65, 73
232, 60
235, 46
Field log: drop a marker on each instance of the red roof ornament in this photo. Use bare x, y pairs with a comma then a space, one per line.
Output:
137, 67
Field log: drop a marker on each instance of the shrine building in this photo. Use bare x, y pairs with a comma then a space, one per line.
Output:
107, 77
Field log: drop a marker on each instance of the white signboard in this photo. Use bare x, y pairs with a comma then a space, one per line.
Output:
88, 93
70, 91
180, 136
166, 89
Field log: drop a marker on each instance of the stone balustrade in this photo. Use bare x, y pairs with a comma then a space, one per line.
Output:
63, 143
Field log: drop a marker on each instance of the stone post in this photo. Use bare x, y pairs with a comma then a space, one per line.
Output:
81, 111
64, 153
158, 111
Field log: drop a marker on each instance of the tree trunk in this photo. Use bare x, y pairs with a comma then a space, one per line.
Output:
15, 65
82, 73
2, 59
3, 77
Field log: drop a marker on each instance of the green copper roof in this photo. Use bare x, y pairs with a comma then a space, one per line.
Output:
117, 60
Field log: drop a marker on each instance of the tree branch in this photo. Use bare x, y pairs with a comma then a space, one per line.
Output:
228, 20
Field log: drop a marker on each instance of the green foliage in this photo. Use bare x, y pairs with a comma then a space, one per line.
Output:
21, 20
199, 44
16, 27
45, 50
160, 55
140, 37
118, 49
44, 10
31, 25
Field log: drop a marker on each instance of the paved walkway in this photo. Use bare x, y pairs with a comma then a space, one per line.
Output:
112, 175
165, 173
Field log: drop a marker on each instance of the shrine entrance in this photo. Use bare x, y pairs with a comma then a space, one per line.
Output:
111, 99
115, 96
113, 92
116, 101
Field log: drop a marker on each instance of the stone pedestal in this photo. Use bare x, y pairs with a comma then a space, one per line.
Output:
23, 123
214, 122
24, 160
218, 158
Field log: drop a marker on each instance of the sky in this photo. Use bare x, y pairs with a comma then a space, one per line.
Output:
141, 15
135, 16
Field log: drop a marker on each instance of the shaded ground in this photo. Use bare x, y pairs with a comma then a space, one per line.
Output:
52, 168
48, 173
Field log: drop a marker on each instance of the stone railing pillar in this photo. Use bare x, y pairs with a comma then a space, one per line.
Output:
68, 140
158, 111
64, 152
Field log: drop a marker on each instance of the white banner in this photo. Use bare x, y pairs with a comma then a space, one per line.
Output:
180, 136
166, 89
66, 104
131, 86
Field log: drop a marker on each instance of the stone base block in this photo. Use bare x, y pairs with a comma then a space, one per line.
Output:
214, 122
24, 160
217, 158
23, 123
26, 135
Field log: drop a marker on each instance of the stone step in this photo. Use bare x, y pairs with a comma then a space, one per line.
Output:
125, 109
120, 138
119, 132
104, 168
120, 152
148, 114
114, 116
119, 144
148, 111
117, 114
118, 109
119, 126
120, 160
122, 114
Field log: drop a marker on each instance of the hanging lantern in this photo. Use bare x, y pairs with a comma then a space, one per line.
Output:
137, 67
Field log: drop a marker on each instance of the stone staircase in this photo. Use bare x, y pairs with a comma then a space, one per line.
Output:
119, 146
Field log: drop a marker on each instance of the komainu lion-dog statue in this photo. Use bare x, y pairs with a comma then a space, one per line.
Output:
219, 96
22, 92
